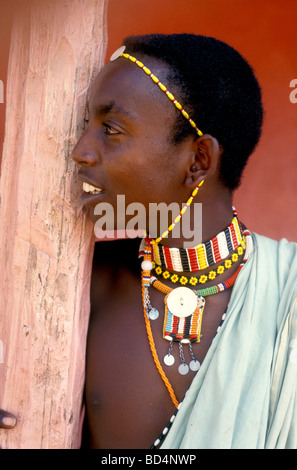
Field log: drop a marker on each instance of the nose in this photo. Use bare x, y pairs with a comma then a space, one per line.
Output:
84, 153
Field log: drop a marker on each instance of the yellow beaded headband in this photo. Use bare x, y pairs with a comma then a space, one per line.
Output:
120, 53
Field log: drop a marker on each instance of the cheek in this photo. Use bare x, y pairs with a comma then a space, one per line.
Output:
145, 172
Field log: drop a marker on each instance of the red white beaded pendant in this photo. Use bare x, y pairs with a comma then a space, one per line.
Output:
182, 324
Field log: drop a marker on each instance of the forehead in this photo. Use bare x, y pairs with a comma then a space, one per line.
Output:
130, 90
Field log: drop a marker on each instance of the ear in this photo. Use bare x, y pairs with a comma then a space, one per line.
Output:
204, 160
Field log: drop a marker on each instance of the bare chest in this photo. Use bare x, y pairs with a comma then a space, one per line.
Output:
127, 401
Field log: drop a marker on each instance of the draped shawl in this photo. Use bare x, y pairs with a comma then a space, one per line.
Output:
245, 393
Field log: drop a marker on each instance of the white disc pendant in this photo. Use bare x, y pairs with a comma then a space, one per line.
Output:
182, 302
183, 369
117, 53
169, 360
153, 314
194, 365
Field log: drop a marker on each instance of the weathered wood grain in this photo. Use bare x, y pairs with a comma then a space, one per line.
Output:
46, 243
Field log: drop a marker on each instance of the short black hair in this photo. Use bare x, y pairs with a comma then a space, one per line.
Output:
218, 89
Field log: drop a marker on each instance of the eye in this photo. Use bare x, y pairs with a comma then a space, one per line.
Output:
110, 130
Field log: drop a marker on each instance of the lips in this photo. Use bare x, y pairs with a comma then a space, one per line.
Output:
88, 188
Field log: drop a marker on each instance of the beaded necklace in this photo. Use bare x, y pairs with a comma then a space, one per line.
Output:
183, 309
219, 287
203, 278
205, 292
203, 255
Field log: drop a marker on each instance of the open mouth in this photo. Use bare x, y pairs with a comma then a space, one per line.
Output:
88, 188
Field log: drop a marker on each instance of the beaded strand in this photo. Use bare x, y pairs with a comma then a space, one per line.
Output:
178, 106
145, 284
164, 89
177, 219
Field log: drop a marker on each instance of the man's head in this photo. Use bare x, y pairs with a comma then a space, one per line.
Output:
217, 87
138, 144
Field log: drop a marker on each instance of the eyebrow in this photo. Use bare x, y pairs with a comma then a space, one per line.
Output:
103, 109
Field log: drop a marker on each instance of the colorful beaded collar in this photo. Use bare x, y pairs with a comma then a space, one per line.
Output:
201, 256
204, 292
205, 277
222, 285
184, 309
183, 316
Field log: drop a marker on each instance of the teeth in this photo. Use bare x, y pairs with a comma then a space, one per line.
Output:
88, 188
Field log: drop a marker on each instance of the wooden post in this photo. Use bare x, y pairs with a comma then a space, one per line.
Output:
46, 243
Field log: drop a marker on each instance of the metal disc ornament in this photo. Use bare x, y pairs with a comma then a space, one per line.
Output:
194, 365
183, 369
153, 314
169, 360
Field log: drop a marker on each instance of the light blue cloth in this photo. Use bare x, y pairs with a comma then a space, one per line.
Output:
245, 394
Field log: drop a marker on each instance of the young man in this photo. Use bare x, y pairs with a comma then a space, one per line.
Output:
167, 114
140, 144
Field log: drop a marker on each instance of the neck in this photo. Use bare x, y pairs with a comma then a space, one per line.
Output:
203, 221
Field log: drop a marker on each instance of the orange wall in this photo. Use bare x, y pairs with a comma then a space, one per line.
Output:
264, 31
